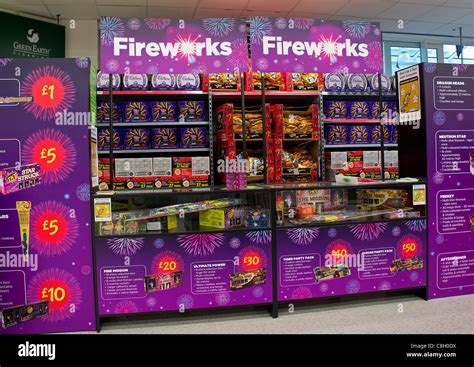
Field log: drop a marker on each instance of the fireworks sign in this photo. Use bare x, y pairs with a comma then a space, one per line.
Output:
310, 45
155, 45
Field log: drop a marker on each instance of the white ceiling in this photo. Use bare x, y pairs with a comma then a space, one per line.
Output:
420, 16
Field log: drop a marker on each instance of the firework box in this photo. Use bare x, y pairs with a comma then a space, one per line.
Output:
164, 137
135, 111
393, 134
163, 81
377, 112
356, 82
257, 218
225, 218
278, 114
135, 82
103, 112
273, 81
358, 109
188, 82
222, 81
162, 166
103, 81
133, 167
193, 137
163, 111
359, 134
334, 82
303, 81
375, 135
191, 111
337, 134
18, 178
374, 82
103, 138
164, 224
191, 166
136, 138
322, 200
224, 122
336, 109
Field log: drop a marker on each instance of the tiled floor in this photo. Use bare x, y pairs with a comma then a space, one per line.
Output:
390, 314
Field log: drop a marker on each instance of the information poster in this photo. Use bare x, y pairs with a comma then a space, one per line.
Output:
182, 272
46, 275
449, 102
408, 87
314, 45
332, 261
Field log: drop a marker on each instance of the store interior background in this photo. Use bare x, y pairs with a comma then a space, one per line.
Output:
414, 31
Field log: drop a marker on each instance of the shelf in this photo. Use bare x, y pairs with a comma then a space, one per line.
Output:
152, 92
362, 94
322, 185
357, 121
345, 223
356, 146
268, 93
138, 151
161, 123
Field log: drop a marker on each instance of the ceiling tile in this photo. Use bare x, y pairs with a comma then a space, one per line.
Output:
443, 14
468, 4
28, 9
223, 4
419, 27
467, 19
267, 13
275, 5
313, 14
121, 2
186, 13
68, 2
453, 30
217, 13
366, 8
75, 12
321, 7
425, 2
161, 12
22, 2
123, 11
406, 11
174, 3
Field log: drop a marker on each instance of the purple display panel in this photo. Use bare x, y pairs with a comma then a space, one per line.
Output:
314, 45
45, 239
212, 45
365, 258
449, 114
183, 272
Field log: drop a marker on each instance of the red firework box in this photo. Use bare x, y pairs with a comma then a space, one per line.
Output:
304, 81
221, 82
278, 168
296, 124
273, 81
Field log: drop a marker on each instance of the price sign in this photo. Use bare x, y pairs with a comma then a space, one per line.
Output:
251, 260
51, 227
339, 253
409, 248
48, 90
167, 265
53, 294
48, 155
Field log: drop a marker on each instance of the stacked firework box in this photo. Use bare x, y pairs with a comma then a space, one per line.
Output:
304, 81
282, 135
273, 81
227, 138
221, 82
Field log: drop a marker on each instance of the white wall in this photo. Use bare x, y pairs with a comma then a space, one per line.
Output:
83, 39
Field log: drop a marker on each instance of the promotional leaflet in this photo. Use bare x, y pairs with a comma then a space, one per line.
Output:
315, 45
332, 261
162, 46
449, 111
46, 275
181, 272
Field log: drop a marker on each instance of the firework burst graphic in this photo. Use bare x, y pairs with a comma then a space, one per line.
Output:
341, 69
239, 57
324, 287
280, 23
260, 27
157, 24
201, 244
461, 67
187, 48
185, 300
134, 24
438, 178
385, 286
302, 236
82, 62
418, 225
234, 243
259, 237
151, 302
125, 307
330, 47
60, 288
303, 23
352, 286
439, 118
219, 27
375, 57
55, 231
223, 298
52, 90
163, 258
257, 292
356, 28
414, 276
83, 192
110, 27
396, 231
339, 249
369, 231
301, 293
112, 65
125, 246
55, 153
262, 64
4, 61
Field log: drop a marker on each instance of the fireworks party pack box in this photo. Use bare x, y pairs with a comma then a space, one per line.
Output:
163, 111
191, 111
135, 111
165, 137
137, 138
14, 179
